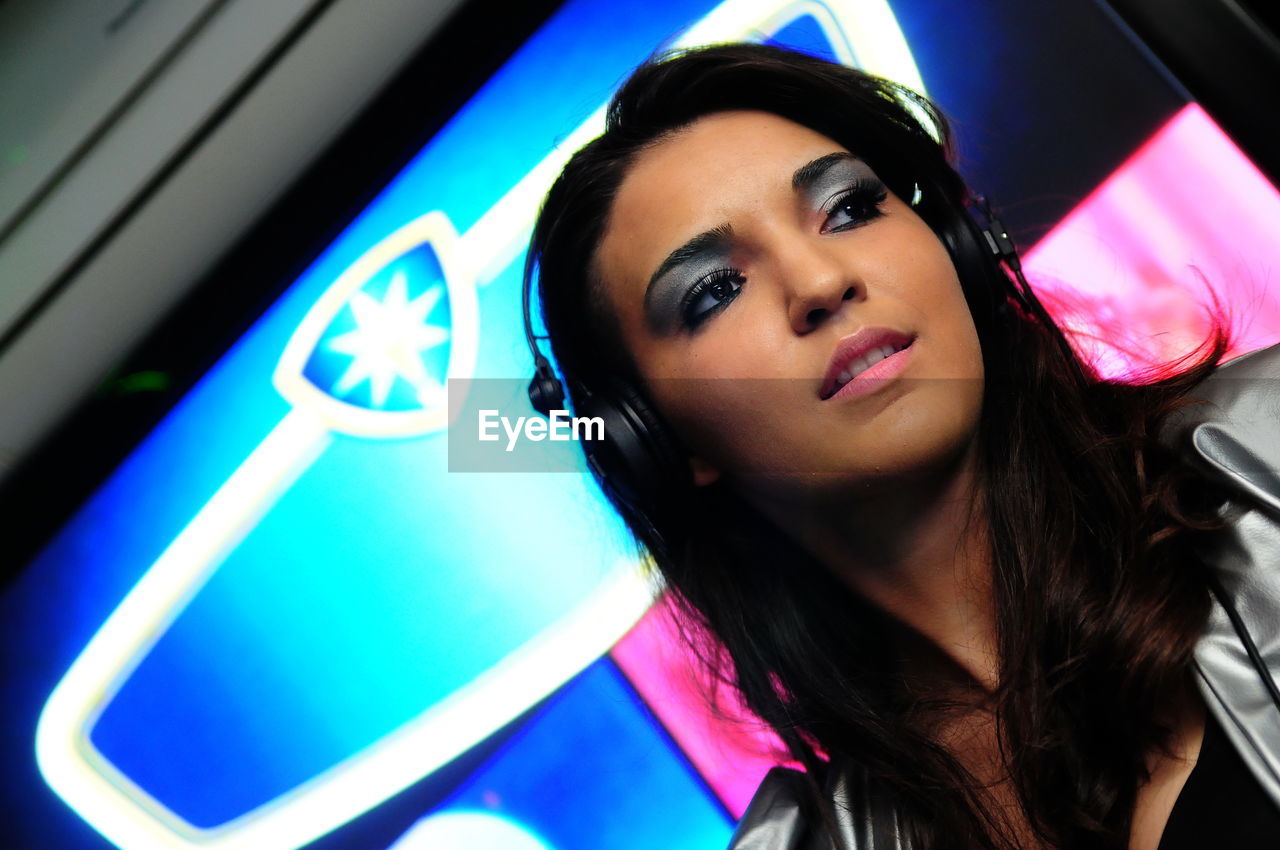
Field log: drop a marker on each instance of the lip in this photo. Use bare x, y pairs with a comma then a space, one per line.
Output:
854, 346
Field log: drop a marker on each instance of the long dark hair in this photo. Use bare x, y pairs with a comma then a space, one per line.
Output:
1099, 598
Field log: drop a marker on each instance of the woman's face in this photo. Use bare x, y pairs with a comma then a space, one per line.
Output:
751, 262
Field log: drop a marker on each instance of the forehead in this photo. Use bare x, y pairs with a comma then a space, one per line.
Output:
716, 170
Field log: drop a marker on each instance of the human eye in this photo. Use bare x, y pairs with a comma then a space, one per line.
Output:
855, 206
709, 295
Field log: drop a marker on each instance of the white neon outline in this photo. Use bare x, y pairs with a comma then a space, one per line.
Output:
128, 816
70, 763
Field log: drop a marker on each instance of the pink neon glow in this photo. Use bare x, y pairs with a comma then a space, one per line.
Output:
1120, 267
731, 756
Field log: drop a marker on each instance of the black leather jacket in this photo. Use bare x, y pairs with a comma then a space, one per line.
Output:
1235, 439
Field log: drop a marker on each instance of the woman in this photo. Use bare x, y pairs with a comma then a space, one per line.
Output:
952, 568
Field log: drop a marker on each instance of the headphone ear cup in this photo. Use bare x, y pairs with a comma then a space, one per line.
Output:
638, 459
963, 238
663, 448
966, 241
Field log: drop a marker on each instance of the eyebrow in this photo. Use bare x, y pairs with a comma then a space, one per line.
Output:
810, 173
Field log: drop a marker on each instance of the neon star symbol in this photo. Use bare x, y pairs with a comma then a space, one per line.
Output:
389, 340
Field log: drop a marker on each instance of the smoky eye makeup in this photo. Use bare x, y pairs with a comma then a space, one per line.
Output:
678, 296
681, 276
846, 177
855, 206
709, 295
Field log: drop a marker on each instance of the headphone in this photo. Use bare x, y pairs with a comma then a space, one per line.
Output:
639, 460
1000, 245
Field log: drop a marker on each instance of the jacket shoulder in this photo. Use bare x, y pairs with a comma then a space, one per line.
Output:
861, 813
1233, 429
774, 819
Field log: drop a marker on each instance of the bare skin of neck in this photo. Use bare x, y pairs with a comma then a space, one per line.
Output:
920, 553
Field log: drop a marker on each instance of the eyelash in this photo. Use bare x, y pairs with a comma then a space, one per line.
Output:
868, 194
695, 293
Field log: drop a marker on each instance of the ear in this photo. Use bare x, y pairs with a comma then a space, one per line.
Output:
703, 472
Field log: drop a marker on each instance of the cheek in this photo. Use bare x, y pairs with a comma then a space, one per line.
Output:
723, 397
733, 422
956, 338
704, 411
966, 347
745, 341
945, 318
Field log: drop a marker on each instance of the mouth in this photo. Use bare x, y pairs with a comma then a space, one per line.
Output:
860, 352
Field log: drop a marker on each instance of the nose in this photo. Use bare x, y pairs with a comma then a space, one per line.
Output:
815, 283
